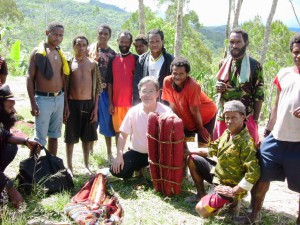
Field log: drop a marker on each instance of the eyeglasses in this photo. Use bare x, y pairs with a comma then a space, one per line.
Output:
148, 92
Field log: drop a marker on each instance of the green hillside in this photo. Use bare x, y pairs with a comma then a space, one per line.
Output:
77, 17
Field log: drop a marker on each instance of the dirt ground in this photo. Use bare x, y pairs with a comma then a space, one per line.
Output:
279, 198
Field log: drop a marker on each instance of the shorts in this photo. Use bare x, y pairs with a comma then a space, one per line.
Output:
104, 117
189, 135
280, 160
213, 202
118, 117
133, 160
50, 119
204, 166
78, 124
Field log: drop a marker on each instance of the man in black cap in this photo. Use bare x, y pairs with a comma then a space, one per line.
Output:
8, 144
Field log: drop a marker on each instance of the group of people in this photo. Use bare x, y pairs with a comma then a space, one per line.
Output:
117, 91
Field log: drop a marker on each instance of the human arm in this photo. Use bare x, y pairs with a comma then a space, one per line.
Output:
32, 70
3, 71
110, 93
198, 121
29, 143
118, 163
273, 116
138, 75
94, 114
258, 96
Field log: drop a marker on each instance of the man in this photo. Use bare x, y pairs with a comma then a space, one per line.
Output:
103, 54
155, 63
83, 88
240, 78
8, 144
45, 83
237, 168
3, 70
279, 154
189, 102
141, 44
135, 125
120, 80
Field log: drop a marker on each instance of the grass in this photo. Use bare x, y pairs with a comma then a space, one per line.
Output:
141, 204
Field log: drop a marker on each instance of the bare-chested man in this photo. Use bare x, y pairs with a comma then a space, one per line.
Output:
45, 82
83, 88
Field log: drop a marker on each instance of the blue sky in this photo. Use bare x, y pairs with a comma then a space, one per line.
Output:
214, 12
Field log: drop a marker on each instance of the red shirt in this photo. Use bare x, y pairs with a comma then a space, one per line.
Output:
190, 95
121, 77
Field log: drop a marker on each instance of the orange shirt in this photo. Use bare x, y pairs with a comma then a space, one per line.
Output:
190, 95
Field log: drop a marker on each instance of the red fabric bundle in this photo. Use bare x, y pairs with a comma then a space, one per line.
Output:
166, 149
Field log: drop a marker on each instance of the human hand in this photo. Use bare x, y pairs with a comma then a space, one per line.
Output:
225, 190
66, 113
94, 116
296, 112
204, 134
15, 197
220, 86
117, 164
34, 110
111, 109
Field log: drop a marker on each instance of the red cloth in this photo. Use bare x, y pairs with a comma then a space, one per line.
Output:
166, 149
190, 95
213, 202
123, 71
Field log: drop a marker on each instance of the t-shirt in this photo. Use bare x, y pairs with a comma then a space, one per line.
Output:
287, 126
103, 57
135, 124
155, 65
120, 75
190, 95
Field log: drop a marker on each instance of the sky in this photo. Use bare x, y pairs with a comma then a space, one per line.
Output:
214, 12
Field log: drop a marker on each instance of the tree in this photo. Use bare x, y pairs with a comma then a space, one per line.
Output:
294, 12
141, 17
178, 34
237, 14
10, 12
228, 18
267, 32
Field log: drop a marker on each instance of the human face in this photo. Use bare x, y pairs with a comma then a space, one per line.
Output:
8, 114
296, 54
148, 94
80, 47
103, 36
155, 43
124, 43
140, 48
55, 36
179, 75
234, 122
237, 45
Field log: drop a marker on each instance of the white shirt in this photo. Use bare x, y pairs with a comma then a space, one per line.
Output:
135, 124
155, 65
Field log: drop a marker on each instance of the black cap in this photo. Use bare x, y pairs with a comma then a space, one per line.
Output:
6, 94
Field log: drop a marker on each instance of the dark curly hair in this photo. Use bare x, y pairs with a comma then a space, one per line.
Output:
181, 62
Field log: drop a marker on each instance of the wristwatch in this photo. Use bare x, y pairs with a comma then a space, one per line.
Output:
9, 184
